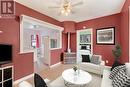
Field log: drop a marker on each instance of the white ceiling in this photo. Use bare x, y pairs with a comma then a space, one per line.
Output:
90, 9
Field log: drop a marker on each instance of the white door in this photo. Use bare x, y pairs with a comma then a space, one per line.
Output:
46, 50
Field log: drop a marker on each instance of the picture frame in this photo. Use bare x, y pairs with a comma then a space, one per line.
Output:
105, 36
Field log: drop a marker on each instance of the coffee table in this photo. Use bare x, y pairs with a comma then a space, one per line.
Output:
81, 78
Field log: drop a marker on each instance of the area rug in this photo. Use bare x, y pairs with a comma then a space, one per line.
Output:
96, 82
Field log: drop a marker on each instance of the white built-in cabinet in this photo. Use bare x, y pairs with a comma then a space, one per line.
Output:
6, 76
84, 43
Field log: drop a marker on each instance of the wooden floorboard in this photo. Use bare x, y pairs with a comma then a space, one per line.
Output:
51, 73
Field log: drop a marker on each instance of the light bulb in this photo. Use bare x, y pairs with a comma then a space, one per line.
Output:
66, 13
68, 10
62, 11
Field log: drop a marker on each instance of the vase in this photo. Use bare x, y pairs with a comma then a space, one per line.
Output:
75, 73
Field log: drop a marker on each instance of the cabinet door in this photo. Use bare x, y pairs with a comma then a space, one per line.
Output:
0, 84
7, 83
7, 73
0, 76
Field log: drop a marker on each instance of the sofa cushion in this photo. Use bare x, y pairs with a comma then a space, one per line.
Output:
127, 68
115, 64
96, 59
90, 67
116, 70
85, 58
121, 79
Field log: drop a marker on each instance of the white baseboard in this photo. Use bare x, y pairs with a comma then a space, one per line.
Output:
24, 78
55, 65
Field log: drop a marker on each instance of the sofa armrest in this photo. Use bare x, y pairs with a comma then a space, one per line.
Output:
102, 66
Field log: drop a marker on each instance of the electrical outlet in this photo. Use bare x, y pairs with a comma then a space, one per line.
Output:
106, 61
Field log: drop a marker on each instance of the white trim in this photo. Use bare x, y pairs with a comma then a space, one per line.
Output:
22, 79
55, 48
55, 65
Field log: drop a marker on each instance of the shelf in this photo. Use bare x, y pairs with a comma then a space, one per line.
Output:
0, 75
6, 76
7, 83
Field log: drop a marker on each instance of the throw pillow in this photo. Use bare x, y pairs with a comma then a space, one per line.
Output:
38, 81
115, 64
116, 70
121, 79
85, 58
96, 59
127, 68
128, 86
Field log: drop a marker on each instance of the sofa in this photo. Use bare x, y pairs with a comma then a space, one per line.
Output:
92, 67
106, 81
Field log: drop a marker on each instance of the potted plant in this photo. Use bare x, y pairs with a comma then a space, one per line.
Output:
117, 52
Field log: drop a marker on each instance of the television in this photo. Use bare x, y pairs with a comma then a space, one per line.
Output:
5, 53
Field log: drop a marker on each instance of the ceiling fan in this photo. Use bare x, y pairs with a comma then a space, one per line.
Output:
67, 6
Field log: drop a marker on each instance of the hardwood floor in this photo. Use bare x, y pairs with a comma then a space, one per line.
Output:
51, 73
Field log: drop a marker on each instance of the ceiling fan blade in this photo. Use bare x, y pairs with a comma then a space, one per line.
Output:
54, 7
76, 4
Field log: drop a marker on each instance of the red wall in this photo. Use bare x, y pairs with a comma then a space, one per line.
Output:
10, 35
23, 63
11, 27
69, 26
108, 21
64, 42
73, 42
125, 31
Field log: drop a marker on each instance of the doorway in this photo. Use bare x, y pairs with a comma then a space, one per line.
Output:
33, 33
84, 43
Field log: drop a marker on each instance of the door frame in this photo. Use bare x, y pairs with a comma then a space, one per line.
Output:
77, 44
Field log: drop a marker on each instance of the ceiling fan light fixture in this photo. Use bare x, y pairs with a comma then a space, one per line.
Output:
62, 11
66, 11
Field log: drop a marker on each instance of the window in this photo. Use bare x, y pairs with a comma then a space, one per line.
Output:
53, 43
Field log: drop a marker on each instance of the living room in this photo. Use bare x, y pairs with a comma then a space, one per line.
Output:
23, 63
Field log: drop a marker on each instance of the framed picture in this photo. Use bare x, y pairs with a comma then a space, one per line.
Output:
105, 36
